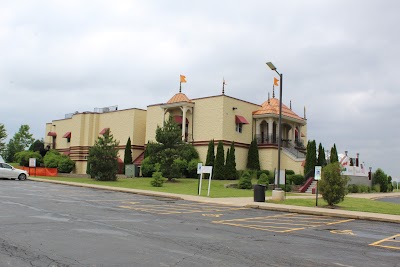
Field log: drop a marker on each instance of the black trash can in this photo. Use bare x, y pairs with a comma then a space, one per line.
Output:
259, 193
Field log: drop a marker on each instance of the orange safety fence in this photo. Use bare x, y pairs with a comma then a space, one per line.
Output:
40, 171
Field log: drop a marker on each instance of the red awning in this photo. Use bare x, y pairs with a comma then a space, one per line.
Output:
104, 130
139, 159
178, 120
52, 134
67, 153
241, 119
67, 135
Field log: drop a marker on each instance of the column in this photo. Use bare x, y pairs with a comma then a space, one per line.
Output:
293, 134
270, 129
184, 109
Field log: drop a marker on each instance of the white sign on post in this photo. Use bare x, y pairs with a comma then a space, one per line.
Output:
206, 169
32, 162
317, 175
199, 167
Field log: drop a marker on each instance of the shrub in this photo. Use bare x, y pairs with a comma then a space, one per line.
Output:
51, 160
245, 181
333, 185
65, 165
267, 172
157, 180
263, 179
289, 172
286, 188
376, 188
147, 167
353, 188
23, 158
192, 168
298, 179
178, 167
364, 189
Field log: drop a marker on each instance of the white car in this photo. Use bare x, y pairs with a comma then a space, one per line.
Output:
8, 171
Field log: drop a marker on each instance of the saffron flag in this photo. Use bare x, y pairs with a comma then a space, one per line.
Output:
276, 81
183, 79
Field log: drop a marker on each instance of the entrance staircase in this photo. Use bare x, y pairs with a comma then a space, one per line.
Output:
311, 187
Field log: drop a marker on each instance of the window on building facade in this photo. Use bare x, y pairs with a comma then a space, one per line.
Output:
239, 127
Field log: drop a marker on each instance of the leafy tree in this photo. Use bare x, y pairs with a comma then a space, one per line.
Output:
219, 164
311, 159
128, 153
321, 156
253, 158
380, 178
210, 154
20, 141
3, 136
390, 184
334, 155
245, 181
38, 145
23, 138
103, 158
333, 186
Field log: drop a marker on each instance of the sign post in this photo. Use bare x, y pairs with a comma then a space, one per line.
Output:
32, 164
205, 169
317, 177
199, 172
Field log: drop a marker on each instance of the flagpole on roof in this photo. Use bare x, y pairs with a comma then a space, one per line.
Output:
223, 85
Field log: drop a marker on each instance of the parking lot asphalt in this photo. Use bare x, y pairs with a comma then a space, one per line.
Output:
249, 202
44, 224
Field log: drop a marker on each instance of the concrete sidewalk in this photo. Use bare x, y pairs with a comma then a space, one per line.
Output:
249, 203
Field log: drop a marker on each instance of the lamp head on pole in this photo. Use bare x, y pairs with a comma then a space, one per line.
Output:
271, 66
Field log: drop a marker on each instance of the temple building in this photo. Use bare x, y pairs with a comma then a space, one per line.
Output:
221, 117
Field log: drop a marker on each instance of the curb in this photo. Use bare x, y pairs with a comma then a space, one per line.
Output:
117, 189
291, 209
322, 213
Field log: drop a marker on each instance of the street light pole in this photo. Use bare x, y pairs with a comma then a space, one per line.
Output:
278, 191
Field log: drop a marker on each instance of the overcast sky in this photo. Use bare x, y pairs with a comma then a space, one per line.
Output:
339, 59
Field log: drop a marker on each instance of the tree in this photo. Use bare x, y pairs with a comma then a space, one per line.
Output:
128, 153
311, 159
170, 151
20, 141
3, 136
380, 178
103, 158
321, 156
334, 155
23, 158
253, 159
333, 186
169, 135
37, 146
230, 166
219, 164
210, 154
23, 139
245, 181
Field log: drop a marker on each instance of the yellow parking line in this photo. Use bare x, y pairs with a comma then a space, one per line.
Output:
390, 239
342, 221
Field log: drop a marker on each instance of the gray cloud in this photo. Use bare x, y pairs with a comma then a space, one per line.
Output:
339, 59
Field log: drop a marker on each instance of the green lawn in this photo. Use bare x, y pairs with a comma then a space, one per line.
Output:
349, 203
181, 186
